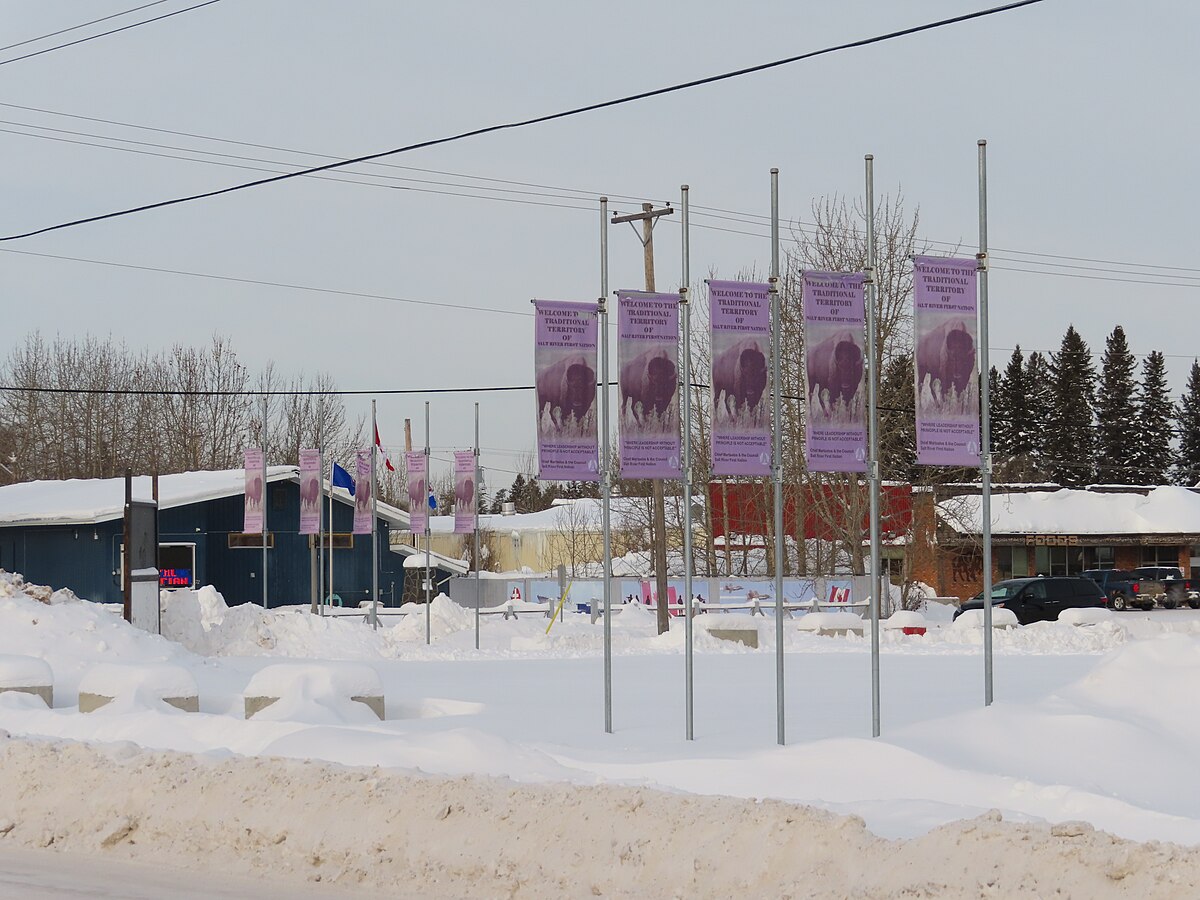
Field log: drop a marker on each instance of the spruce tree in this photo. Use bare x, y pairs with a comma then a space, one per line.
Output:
1035, 423
1116, 412
1155, 421
1016, 405
998, 418
1070, 438
1187, 466
897, 429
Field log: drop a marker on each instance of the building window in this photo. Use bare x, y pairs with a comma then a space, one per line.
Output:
1160, 556
1012, 562
1099, 557
1058, 561
240, 541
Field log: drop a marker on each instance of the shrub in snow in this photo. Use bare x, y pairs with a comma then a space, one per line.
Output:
148, 685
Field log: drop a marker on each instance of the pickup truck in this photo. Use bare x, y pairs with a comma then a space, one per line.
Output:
1167, 585
1122, 587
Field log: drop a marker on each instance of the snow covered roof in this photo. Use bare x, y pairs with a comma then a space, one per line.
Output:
415, 559
582, 513
80, 501
1164, 510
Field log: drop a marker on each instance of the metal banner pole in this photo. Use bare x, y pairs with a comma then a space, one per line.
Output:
777, 452
605, 467
478, 488
266, 493
329, 597
688, 609
428, 536
985, 454
875, 581
321, 537
374, 524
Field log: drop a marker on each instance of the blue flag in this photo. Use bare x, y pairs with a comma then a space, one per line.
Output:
432, 501
342, 479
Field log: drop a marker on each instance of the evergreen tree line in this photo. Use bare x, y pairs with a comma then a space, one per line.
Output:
1056, 419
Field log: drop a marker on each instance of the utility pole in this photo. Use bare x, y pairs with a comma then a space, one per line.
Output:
647, 217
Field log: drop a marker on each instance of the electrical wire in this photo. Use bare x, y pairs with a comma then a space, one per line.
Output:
93, 37
536, 120
43, 37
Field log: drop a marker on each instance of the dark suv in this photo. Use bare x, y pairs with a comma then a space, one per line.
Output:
1040, 599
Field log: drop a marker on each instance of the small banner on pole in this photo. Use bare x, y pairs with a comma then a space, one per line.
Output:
418, 510
464, 491
564, 362
310, 491
364, 491
834, 312
945, 329
256, 480
648, 362
740, 315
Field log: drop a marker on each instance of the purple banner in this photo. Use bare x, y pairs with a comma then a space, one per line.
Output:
648, 362
835, 439
418, 496
740, 313
364, 491
464, 491
256, 480
947, 376
310, 491
564, 363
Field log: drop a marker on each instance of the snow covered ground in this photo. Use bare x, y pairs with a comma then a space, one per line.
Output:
1094, 723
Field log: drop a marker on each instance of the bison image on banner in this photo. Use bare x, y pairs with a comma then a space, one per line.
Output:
364, 490
256, 479
464, 491
418, 510
648, 363
947, 376
834, 320
564, 363
740, 313
310, 491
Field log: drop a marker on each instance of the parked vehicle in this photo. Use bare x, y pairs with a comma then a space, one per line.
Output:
1167, 585
1122, 587
1039, 599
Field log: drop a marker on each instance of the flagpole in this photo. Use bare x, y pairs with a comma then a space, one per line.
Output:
265, 493
777, 454
873, 441
428, 535
985, 456
320, 604
374, 524
329, 596
478, 488
605, 467
688, 609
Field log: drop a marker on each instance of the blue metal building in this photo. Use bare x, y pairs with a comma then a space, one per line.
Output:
69, 534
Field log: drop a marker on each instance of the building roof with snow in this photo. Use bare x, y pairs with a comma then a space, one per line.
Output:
1159, 511
80, 501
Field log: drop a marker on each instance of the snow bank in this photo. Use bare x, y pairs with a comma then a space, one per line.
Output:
974, 618
1086, 616
23, 671
131, 686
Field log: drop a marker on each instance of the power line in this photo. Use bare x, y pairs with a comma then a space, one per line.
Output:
43, 37
106, 33
490, 129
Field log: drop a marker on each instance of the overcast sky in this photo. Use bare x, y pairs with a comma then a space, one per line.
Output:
1087, 106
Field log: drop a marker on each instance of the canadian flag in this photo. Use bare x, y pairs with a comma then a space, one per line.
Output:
839, 594
387, 462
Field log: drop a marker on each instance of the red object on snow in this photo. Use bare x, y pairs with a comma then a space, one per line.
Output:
913, 630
